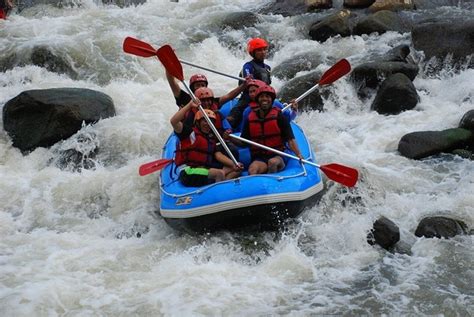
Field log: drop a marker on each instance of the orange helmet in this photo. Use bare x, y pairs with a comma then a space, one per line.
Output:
265, 89
203, 93
255, 44
256, 82
199, 115
197, 77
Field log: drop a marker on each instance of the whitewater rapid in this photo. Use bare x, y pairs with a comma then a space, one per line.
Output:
90, 243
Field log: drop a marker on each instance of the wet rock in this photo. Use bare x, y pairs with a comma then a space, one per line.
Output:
301, 62
396, 94
332, 25
438, 39
298, 86
41, 56
40, 118
240, 20
434, 4
418, 145
467, 121
313, 5
358, 3
392, 5
371, 74
384, 233
285, 7
440, 227
464, 153
380, 22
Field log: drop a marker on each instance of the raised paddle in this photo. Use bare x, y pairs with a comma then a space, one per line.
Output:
136, 47
154, 166
339, 173
337, 70
171, 62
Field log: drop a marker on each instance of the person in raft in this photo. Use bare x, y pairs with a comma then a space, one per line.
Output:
195, 82
5, 8
198, 156
255, 69
253, 86
267, 125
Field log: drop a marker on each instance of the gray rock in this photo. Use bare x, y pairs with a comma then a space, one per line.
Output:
384, 233
298, 86
332, 25
440, 227
380, 22
373, 73
396, 94
467, 121
438, 39
418, 145
40, 118
300, 62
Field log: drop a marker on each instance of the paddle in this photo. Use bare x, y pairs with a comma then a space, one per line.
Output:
154, 166
339, 173
337, 70
171, 62
136, 47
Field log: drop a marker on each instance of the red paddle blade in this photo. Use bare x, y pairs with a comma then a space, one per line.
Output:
170, 61
151, 167
335, 72
137, 47
342, 174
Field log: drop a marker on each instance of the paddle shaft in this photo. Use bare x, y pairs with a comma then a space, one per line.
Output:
212, 70
273, 150
211, 125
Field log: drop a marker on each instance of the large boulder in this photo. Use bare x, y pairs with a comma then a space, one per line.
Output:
41, 56
358, 3
371, 74
332, 25
384, 233
285, 7
467, 121
438, 39
396, 94
40, 118
418, 145
300, 62
440, 227
392, 5
297, 86
380, 22
240, 20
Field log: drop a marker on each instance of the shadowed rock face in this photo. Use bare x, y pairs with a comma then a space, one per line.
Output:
384, 233
43, 117
396, 94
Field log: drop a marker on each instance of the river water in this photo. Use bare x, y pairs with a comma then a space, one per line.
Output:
90, 243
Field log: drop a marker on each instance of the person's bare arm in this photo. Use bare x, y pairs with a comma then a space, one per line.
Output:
177, 119
173, 82
234, 92
294, 147
226, 161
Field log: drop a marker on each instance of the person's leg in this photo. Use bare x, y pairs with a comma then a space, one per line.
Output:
275, 164
257, 167
216, 174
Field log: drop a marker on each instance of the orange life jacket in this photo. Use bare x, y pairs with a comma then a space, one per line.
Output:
265, 131
197, 153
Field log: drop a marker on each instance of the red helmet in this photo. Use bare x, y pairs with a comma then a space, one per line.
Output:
199, 115
203, 93
267, 89
255, 44
256, 82
197, 77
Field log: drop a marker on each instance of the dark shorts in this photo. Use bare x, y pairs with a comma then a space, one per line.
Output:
265, 159
195, 177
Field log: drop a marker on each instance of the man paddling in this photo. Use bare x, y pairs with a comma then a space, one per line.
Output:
267, 126
198, 156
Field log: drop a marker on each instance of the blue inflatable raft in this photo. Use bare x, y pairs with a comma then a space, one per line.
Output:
265, 201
